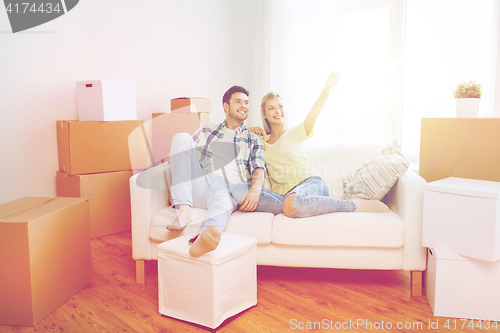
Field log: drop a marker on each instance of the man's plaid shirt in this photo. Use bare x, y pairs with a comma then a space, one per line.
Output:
251, 149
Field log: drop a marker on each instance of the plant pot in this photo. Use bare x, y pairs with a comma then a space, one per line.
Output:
467, 107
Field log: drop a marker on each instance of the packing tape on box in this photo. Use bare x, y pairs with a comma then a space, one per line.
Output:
27, 209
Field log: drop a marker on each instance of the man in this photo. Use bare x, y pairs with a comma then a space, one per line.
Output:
206, 166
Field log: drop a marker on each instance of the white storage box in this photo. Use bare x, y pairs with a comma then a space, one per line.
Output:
105, 100
461, 287
462, 216
209, 289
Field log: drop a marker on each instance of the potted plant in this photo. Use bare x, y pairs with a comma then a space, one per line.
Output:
467, 95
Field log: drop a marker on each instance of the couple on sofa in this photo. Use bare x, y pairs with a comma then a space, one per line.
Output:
222, 167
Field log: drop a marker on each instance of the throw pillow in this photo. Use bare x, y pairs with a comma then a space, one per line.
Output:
377, 175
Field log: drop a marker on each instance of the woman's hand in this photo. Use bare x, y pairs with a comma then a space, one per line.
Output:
257, 130
332, 81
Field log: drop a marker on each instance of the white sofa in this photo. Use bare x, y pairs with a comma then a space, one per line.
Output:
381, 241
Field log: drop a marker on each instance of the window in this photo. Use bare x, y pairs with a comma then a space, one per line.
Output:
364, 51
399, 60
447, 41
360, 39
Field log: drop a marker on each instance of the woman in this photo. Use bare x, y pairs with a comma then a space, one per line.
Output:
296, 186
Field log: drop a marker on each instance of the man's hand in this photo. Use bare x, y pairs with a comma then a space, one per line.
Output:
257, 130
250, 200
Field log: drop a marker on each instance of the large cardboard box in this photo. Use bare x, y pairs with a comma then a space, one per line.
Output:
462, 216
167, 125
460, 147
461, 287
106, 100
109, 195
190, 105
44, 256
94, 146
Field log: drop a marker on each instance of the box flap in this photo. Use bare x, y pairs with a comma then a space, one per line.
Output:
438, 254
30, 208
12, 208
193, 98
190, 105
104, 82
467, 187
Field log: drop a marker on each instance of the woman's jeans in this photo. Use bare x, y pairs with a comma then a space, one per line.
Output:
311, 199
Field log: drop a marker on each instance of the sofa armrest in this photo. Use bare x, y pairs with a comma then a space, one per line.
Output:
148, 195
406, 199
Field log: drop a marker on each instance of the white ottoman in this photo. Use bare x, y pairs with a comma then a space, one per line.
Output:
209, 289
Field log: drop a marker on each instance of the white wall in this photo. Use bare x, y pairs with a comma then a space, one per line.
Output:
169, 48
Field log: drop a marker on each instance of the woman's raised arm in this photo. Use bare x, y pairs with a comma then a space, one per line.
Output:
331, 83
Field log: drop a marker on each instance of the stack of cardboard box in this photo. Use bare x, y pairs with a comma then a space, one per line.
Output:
99, 155
461, 228
94, 163
94, 159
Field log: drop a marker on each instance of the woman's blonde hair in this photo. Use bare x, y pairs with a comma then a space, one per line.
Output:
265, 122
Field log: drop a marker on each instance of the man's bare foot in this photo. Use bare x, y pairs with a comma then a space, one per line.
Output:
182, 219
288, 206
373, 206
207, 241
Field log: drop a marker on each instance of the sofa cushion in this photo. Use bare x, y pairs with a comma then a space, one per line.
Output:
255, 224
341, 229
377, 175
333, 162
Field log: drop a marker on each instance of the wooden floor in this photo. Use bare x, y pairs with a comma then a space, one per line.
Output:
289, 300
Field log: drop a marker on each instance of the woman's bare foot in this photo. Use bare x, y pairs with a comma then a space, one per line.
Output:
373, 206
207, 241
182, 219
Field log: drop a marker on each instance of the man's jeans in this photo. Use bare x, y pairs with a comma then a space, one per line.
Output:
311, 199
192, 186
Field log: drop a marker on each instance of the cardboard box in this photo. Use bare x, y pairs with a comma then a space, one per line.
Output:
106, 100
109, 195
44, 256
460, 147
139, 145
461, 287
94, 146
190, 105
167, 125
462, 216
